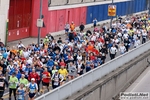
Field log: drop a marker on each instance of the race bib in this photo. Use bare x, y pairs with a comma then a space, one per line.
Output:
50, 67
44, 76
32, 90
38, 73
122, 52
11, 84
43, 60
56, 83
1, 84
75, 54
20, 97
103, 54
79, 70
26, 73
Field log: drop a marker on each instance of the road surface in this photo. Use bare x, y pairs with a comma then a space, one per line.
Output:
142, 84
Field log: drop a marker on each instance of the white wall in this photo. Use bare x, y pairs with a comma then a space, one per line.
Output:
74, 1
4, 6
58, 2
63, 2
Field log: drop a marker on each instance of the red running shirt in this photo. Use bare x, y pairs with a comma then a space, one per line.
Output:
45, 75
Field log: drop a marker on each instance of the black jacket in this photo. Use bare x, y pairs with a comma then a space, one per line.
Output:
4, 82
81, 27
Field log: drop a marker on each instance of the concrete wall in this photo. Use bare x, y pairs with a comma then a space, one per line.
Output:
90, 0
58, 2
105, 0
4, 6
114, 83
74, 1
63, 2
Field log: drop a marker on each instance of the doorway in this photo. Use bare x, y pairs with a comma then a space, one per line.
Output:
19, 19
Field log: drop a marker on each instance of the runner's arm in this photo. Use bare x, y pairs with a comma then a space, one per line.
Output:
62, 78
36, 88
52, 77
17, 91
27, 88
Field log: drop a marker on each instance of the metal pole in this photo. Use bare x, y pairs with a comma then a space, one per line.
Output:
6, 32
40, 17
112, 16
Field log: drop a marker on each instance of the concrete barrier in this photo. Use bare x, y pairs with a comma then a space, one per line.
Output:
108, 87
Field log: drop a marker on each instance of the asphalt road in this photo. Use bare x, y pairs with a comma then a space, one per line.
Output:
142, 84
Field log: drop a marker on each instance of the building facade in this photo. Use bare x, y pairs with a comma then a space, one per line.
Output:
4, 9
23, 14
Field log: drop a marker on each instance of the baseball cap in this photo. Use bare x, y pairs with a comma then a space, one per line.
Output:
32, 79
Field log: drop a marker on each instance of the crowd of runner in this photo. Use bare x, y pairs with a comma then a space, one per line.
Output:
55, 62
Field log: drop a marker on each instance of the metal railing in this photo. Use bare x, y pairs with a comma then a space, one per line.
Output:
81, 82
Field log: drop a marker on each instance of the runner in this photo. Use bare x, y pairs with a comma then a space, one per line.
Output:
21, 92
34, 75
113, 51
122, 48
32, 89
57, 79
39, 71
3, 85
72, 26
23, 80
13, 81
95, 22
127, 44
45, 80
81, 27
80, 67
144, 36
67, 27
10, 67
72, 71
64, 73
103, 52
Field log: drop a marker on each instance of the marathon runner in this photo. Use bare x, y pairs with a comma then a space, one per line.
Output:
32, 89
3, 85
